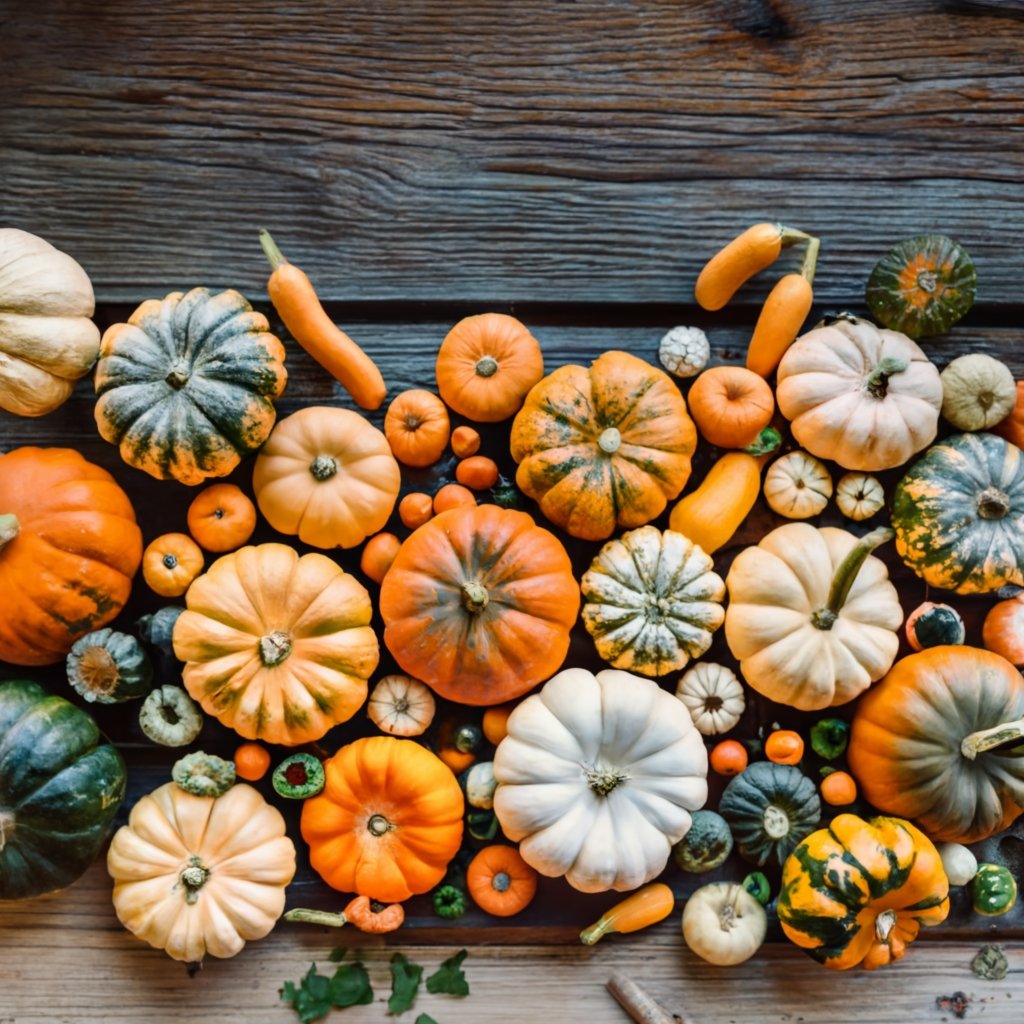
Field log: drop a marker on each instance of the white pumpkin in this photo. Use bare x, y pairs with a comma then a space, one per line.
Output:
865, 397
797, 486
47, 341
597, 778
723, 924
713, 696
401, 706
859, 496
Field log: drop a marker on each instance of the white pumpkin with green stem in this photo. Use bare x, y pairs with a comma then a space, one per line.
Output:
724, 924
597, 778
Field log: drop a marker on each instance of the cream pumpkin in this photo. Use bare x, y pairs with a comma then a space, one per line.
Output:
197, 874
862, 396
812, 615
597, 778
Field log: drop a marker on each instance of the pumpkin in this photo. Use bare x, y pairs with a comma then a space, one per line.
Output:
459, 740
651, 601
706, 845
401, 706
170, 563
713, 696
935, 742
864, 397
327, 476
603, 448
479, 603
69, 547
858, 892
479, 785
388, 821
770, 808
500, 881
252, 761
486, 365
221, 518
60, 787
730, 406
378, 554
109, 667
1012, 428
712, 513
958, 862
797, 486
977, 392
993, 890
47, 341
187, 386
199, 874
276, 646
859, 496
812, 616
465, 442
685, 351
838, 789
931, 624
959, 514
922, 286
597, 778
724, 924
416, 426
1003, 630
478, 472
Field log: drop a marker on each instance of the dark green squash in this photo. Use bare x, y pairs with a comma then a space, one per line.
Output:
959, 514
770, 808
60, 787
932, 625
187, 386
109, 667
993, 890
922, 286
706, 845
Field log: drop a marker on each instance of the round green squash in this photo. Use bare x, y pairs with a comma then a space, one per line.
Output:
959, 514
922, 286
109, 667
706, 845
187, 386
60, 787
770, 808
993, 890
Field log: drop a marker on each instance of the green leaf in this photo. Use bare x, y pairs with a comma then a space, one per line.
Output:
425, 1018
350, 986
449, 978
312, 999
405, 982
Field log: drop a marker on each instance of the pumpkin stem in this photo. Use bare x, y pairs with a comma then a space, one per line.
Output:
275, 647
170, 561
193, 878
178, 375
6, 827
270, 249
603, 780
993, 503
323, 467
988, 739
789, 236
9, 528
324, 917
378, 825
776, 822
765, 443
810, 259
846, 573
610, 440
474, 597
487, 366
501, 881
877, 385
884, 924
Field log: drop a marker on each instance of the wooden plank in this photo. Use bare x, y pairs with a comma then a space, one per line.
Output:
594, 151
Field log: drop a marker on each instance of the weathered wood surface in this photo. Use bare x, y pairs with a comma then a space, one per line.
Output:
548, 151
65, 960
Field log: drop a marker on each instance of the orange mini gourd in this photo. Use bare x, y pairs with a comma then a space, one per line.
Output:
416, 426
221, 518
170, 563
388, 821
500, 881
731, 406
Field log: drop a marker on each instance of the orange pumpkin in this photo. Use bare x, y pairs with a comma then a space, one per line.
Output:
477, 472
486, 365
479, 603
465, 442
221, 518
603, 448
170, 564
378, 554
500, 881
416, 426
1003, 631
1012, 428
453, 496
388, 821
69, 547
731, 405
415, 509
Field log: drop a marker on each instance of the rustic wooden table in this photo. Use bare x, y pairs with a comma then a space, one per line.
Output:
571, 162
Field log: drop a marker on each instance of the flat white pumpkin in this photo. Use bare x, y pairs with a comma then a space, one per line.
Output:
597, 778
713, 696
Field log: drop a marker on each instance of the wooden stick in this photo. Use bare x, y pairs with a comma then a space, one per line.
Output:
637, 1003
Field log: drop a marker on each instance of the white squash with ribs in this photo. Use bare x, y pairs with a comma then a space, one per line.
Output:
597, 778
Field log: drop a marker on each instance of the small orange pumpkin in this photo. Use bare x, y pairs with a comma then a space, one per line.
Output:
731, 405
388, 821
416, 426
170, 564
486, 365
221, 518
465, 442
500, 881
1012, 428
477, 472
415, 509
453, 496
1003, 631
378, 555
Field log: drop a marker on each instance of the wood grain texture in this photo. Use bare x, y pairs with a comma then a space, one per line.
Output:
590, 151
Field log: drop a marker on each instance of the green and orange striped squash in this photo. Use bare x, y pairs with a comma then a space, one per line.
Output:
858, 892
187, 386
959, 514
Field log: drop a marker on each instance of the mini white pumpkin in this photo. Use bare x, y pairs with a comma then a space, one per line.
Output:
958, 862
723, 924
479, 785
797, 486
713, 696
401, 706
977, 392
597, 778
859, 496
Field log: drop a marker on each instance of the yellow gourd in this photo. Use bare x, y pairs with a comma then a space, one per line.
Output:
710, 515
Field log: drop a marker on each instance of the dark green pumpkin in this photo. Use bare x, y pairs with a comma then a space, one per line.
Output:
770, 808
187, 386
922, 286
959, 514
706, 845
60, 787
993, 890
109, 667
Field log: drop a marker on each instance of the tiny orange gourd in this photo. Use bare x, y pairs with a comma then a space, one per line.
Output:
453, 496
221, 518
838, 789
728, 757
170, 564
784, 746
731, 405
378, 554
252, 761
495, 721
417, 427
477, 472
500, 881
415, 509
465, 442
1003, 631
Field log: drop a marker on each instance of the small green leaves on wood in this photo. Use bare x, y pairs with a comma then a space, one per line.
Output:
405, 982
449, 978
316, 994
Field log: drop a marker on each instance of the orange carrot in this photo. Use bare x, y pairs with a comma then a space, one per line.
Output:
296, 302
647, 906
782, 316
746, 255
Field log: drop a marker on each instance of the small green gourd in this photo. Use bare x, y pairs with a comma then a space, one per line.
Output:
170, 717
706, 845
203, 774
298, 777
993, 890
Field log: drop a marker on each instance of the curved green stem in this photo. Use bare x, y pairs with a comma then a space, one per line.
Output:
790, 236
766, 442
810, 259
988, 739
324, 917
846, 573
877, 385
9, 528
270, 249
